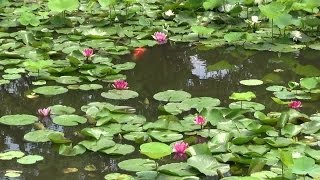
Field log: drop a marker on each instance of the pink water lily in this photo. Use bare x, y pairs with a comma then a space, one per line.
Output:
295, 104
160, 37
120, 84
199, 120
180, 148
45, 112
88, 52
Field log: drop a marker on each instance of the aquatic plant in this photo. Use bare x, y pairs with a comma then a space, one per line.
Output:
160, 37
295, 104
180, 148
199, 120
44, 112
120, 84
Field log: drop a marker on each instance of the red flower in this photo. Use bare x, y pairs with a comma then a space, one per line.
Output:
120, 84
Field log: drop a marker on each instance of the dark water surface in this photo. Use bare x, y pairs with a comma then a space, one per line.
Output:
161, 68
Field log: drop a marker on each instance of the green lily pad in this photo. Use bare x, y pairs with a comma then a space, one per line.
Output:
4, 81
68, 80
87, 87
69, 120
10, 155
50, 90
68, 150
58, 138
18, 119
247, 105
61, 109
176, 108
96, 145
40, 135
119, 149
155, 150
120, 94
246, 96
11, 76
178, 169
251, 82
12, 173
118, 176
199, 103
63, 5
165, 136
172, 96
303, 165
30, 159
208, 165
137, 165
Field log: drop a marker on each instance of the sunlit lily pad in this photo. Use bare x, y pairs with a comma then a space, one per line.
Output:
69, 120
165, 136
208, 165
13, 173
172, 96
4, 81
50, 90
68, 79
40, 135
178, 169
120, 94
96, 145
18, 119
199, 103
245, 96
119, 149
137, 165
118, 176
87, 87
68, 150
11, 76
10, 155
251, 82
247, 105
29, 159
61, 109
155, 150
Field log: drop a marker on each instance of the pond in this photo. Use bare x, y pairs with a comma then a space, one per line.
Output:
202, 73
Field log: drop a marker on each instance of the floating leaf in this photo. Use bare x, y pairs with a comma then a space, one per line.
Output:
246, 96
18, 119
208, 165
137, 165
199, 103
68, 150
50, 90
172, 96
119, 94
29, 159
118, 176
155, 150
87, 87
119, 149
251, 82
178, 169
69, 120
96, 145
13, 173
40, 135
10, 155
61, 109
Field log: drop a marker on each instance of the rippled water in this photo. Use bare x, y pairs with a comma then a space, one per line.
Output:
161, 68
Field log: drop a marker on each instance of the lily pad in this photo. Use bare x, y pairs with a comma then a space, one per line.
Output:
61, 109
68, 79
50, 90
10, 155
246, 96
40, 135
178, 169
118, 176
172, 96
120, 94
96, 145
199, 103
119, 149
137, 165
208, 165
69, 120
155, 150
87, 87
251, 82
18, 119
247, 105
68, 150
29, 159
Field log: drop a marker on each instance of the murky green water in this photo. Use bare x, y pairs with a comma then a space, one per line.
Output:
161, 68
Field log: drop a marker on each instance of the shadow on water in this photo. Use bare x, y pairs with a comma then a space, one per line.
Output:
161, 68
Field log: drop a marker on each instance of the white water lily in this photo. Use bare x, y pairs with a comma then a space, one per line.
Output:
255, 19
296, 35
169, 13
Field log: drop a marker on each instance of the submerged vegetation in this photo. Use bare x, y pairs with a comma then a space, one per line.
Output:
70, 45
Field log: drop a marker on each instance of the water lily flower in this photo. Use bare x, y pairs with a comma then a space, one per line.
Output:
180, 148
160, 37
120, 84
88, 52
295, 104
255, 19
45, 112
199, 120
138, 52
296, 35
169, 13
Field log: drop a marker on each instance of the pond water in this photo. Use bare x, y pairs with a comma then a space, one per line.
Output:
178, 67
